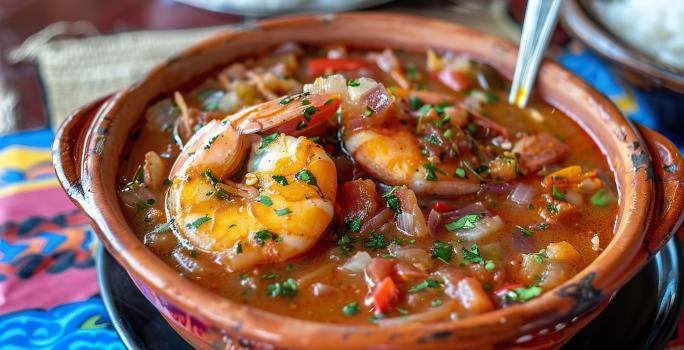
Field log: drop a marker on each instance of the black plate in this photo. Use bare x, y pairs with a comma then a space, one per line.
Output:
643, 315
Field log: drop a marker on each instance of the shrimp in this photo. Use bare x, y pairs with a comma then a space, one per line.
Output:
281, 206
387, 149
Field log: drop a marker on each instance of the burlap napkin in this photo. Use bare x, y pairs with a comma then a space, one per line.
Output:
77, 71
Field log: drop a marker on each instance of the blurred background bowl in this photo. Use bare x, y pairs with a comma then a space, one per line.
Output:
638, 67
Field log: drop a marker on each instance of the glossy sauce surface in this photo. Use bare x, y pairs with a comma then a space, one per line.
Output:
535, 227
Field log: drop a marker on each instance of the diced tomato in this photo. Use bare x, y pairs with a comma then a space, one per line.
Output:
357, 199
319, 66
442, 207
379, 268
454, 80
385, 295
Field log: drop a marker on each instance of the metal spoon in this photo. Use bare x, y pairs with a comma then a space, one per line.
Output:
538, 25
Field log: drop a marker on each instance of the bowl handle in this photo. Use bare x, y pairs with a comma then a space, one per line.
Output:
68, 146
668, 174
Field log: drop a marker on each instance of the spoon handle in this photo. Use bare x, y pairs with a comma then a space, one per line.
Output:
539, 23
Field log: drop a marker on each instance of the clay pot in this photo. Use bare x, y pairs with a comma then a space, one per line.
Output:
648, 170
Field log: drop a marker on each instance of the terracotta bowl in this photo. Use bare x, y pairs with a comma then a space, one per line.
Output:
648, 169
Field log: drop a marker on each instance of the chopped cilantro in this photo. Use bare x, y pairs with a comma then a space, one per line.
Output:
353, 82
432, 139
270, 276
523, 294
530, 206
448, 133
286, 100
309, 111
197, 223
431, 171
367, 112
414, 102
543, 226
436, 302
283, 211
288, 288
540, 256
280, 179
305, 102
401, 310
289, 267
266, 140
464, 222
472, 128
351, 309
265, 200
194, 253
167, 182
211, 177
442, 251
424, 110
211, 140
523, 230
557, 194
460, 172
222, 194
329, 101
472, 171
376, 241
345, 243
392, 200
163, 227
411, 72
552, 208
306, 176
489, 265
301, 125
353, 224
601, 198
428, 283
473, 255
238, 248
262, 236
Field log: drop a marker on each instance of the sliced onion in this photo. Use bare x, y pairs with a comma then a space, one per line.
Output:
523, 194
416, 256
363, 85
483, 228
434, 221
161, 115
136, 195
357, 263
376, 221
498, 187
572, 197
333, 84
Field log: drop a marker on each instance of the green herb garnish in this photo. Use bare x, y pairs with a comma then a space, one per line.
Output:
353, 224
523, 230
351, 309
428, 283
442, 251
266, 140
376, 241
265, 200
197, 223
280, 179
464, 222
283, 211
473, 255
601, 198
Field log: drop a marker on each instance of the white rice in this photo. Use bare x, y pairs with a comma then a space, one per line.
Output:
655, 27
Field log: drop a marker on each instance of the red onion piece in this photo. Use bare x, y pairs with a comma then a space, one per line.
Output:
433, 222
376, 221
522, 194
476, 207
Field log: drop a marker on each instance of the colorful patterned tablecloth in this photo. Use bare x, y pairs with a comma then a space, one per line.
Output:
48, 290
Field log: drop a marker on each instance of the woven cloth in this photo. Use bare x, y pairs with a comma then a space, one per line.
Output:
77, 71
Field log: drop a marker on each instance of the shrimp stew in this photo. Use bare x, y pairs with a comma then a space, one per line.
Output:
359, 186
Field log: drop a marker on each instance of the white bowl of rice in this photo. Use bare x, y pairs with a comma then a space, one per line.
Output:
644, 36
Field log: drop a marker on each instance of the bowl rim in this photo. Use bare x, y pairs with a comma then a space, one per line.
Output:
142, 264
579, 22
